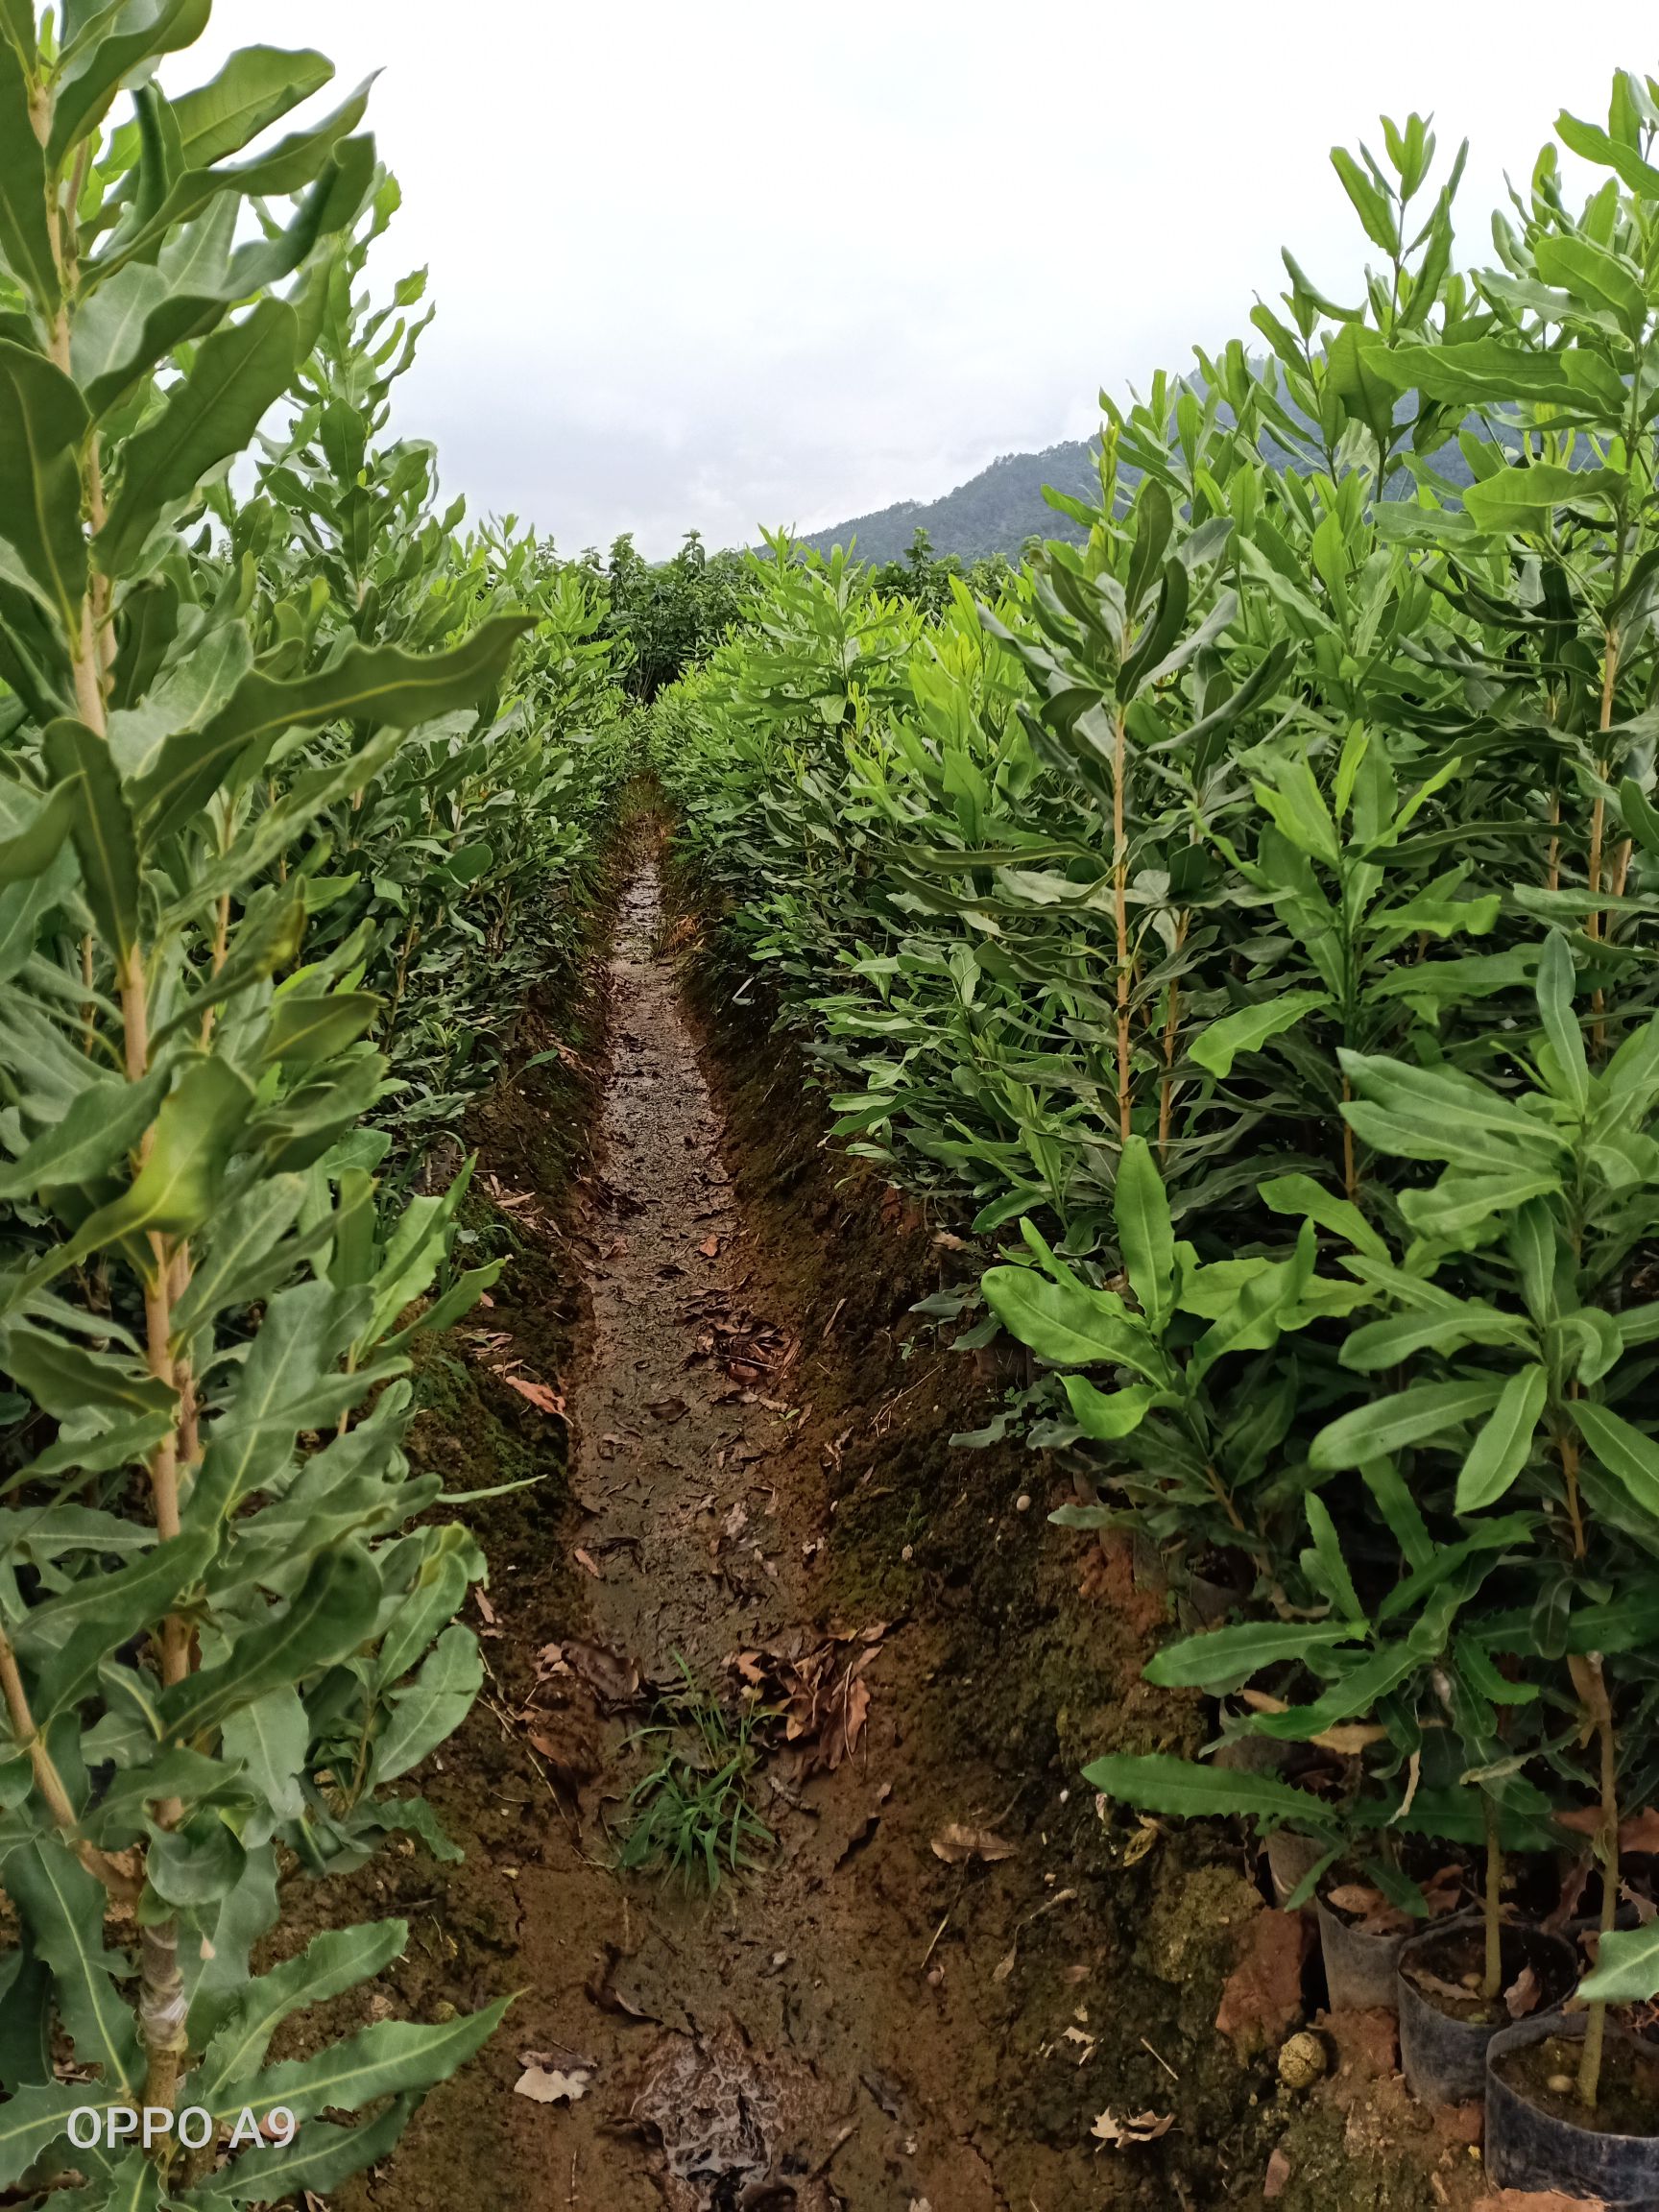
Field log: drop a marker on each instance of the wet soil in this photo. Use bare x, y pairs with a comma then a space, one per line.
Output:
958, 1983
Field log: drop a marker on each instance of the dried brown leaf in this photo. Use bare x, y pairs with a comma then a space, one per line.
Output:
956, 1844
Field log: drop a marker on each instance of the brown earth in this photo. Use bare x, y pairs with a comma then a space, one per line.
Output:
957, 1984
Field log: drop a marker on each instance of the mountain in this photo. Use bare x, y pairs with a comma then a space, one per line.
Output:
997, 510
993, 512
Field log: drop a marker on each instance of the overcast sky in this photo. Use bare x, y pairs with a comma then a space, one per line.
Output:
756, 261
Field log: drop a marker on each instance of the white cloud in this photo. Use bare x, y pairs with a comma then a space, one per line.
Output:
758, 262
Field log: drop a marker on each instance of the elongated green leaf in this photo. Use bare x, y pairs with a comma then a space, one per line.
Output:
42, 422
390, 2059
177, 1187
331, 1962
1325, 1564
1301, 1195
30, 851
25, 241
1218, 1045
1224, 1658
97, 60
328, 1617
92, 1139
1523, 499
1067, 1325
257, 87
320, 2156
1623, 1450
1158, 1783
33, 2121
63, 1906
434, 1705
105, 843
1560, 1024
237, 375
1106, 1417
1501, 1450
1426, 1414
1141, 1206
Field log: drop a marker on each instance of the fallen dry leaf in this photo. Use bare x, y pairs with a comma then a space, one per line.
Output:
668, 1408
710, 1247
543, 1399
1138, 2128
586, 1559
547, 2085
614, 1679
1522, 1995
956, 1844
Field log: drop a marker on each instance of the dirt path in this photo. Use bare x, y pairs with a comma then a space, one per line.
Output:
804, 2039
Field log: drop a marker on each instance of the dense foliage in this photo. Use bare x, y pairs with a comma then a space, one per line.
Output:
285, 763
1256, 902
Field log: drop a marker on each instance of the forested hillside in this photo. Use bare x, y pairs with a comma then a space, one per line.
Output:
993, 512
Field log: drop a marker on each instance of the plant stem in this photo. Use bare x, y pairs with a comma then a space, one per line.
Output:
1587, 1675
1492, 1900
1120, 919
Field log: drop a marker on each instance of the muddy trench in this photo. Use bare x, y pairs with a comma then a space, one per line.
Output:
794, 2039
945, 1963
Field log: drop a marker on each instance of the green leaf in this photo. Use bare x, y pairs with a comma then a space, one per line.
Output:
1141, 1206
1065, 1324
1223, 1658
390, 2059
1626, 1969
25, 240
1158, 1783
1555, 982
1103, 1417
1623, 1450
238, 373
1251, 1027
100, 55
1302, 1194
1504, 1444
97, 1132
330, 1963
63, 1908
42, 423
375, 685
320, 2156
1590, 272
1525, 498
1328, 1567
304, 1031
1424, 1414
257, 87
1596, 145
1399, 1510
331, 1613
105, 844
177, 1187
28, 852
33, 2121
434, 1705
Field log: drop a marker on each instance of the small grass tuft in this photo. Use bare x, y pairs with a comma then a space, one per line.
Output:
693, 1815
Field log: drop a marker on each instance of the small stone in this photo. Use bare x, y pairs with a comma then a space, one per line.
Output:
908, 1554
442, 2011
1022, 1504
1302, 2059
1562, 2084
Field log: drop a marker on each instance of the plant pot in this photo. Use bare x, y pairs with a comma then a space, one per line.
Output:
1360, 1967
1528, 2147
1290, 1858
1444, 2058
